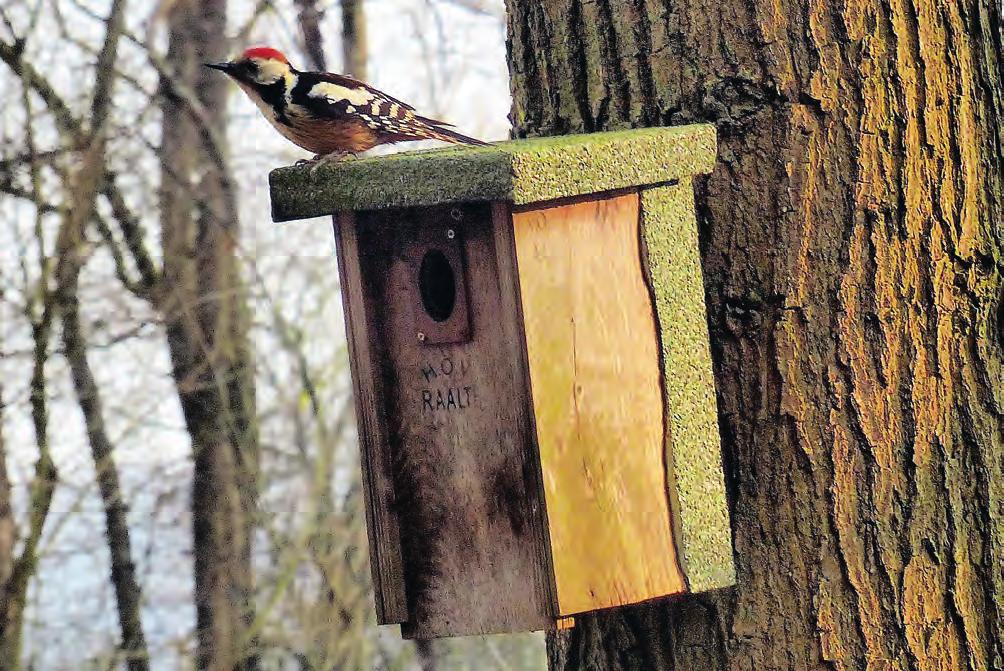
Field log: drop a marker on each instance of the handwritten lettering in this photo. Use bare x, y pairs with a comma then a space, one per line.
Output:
452, 396
446, 367
446, 400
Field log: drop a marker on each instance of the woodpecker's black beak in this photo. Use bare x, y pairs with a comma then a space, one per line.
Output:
222, 67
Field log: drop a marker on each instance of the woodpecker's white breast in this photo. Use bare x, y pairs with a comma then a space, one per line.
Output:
270, 113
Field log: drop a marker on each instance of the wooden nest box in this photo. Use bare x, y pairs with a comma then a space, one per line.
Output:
529, 353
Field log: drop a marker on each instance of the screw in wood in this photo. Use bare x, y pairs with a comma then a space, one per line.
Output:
450, 233
421, 337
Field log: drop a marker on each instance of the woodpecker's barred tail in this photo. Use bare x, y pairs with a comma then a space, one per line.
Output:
441, 131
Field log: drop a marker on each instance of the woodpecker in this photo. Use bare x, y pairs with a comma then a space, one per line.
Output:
328, 114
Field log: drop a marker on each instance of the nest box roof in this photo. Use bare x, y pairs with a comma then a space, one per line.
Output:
520, 171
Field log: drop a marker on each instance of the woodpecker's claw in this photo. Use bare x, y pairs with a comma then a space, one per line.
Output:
334, 156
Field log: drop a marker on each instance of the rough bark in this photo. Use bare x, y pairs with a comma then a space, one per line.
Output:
203, 301
854, 265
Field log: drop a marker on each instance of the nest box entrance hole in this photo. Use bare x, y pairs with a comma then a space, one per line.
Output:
439, 286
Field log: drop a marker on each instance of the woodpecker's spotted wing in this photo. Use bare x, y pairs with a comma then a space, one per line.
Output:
328, 95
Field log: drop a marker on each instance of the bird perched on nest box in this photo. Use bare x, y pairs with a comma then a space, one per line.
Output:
329, 114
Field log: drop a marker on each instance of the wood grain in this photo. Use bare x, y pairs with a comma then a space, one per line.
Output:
594, 366
467, 489
365, 354
515, 338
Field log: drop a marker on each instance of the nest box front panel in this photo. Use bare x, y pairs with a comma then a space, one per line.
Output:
594, 359
464, 486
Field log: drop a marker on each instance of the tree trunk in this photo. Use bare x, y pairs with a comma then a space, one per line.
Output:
853, 261
309, 17
204, 305
354, 45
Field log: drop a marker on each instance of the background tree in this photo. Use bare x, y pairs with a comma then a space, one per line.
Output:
203, 300
854, 272
354, 44
19, 564
57, 292
84, 183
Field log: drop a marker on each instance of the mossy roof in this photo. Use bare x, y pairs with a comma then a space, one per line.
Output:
701, 514
519, 171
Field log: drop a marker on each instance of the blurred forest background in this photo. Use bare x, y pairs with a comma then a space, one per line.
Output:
179, 478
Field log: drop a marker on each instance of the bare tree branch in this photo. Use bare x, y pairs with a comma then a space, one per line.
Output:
74, 137
262, 8
38, 310
8, 531
123, 570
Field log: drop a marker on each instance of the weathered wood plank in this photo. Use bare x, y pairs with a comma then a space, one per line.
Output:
515, 337
367, 383
460, 438
593, 352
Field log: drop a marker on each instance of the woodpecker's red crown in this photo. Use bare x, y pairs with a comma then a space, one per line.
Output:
257, 66
264, 53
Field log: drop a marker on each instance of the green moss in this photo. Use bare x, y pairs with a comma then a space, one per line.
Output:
701, 513
521, 171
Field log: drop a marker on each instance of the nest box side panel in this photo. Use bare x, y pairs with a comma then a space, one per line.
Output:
594, 362
365, 357
466, 487
669, 228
